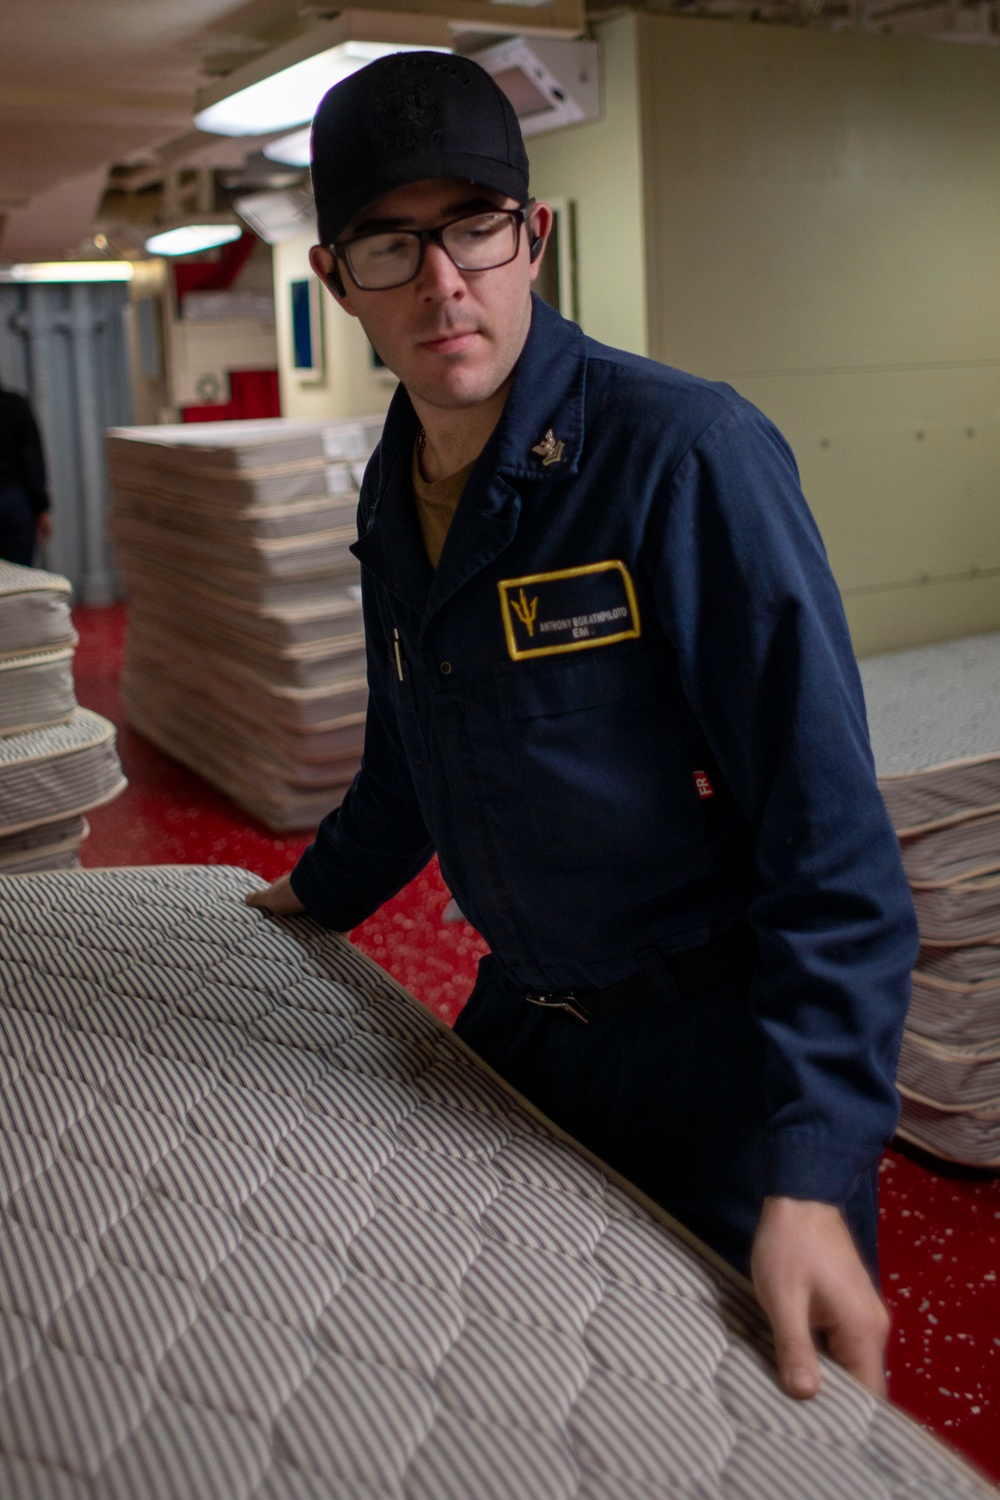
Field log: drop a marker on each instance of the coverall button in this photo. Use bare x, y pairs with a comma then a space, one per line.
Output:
445, 668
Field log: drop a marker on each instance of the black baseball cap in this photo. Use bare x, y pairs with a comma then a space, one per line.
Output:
409, 116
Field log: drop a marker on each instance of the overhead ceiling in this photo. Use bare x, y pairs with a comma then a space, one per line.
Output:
86, 82
87, 85
967, 21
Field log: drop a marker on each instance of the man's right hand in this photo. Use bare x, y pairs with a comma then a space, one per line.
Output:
808, 1277
278, 898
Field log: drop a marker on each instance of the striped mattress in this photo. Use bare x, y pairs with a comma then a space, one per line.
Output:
52, 846
327, 618
968, 1136
34, 610
960, 851
52, 774
245, 657
36, 690
950, 1010
959, 912
270, 1232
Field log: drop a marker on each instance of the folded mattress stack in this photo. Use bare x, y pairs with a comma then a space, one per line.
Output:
935, 721
270, 1232
57, 761
245, 651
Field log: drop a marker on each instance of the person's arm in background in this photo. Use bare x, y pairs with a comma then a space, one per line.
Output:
33, 471
746, 597
376, 841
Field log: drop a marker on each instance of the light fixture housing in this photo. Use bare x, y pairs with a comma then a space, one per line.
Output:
281, 89
67, 270
279, 215
290, 96
550, 81
188, 239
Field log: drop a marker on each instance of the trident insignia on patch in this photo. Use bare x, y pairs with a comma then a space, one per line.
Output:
526, 611
550, 449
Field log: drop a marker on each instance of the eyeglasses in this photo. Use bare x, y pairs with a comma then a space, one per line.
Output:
476, 242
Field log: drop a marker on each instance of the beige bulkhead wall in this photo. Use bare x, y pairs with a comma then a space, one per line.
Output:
597, 168
823, 218
350, 384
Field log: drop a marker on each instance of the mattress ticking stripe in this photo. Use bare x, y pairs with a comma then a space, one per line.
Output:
55, 773
270, 1233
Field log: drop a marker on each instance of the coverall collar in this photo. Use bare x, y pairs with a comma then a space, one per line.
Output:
539, 438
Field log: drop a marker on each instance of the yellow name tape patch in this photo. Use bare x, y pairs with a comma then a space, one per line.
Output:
573, 609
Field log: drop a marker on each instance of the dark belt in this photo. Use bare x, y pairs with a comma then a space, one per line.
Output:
693, 971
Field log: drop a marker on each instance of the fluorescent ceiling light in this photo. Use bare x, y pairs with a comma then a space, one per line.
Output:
292, 149
189, 238
68, 270
290, 97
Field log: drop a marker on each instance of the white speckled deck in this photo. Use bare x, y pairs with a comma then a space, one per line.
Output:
934, 715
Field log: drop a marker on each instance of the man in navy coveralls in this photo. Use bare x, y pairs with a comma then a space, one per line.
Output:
615, 693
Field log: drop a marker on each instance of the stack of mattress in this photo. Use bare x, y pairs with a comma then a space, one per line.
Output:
245, 655
935, 721
57, 761
270, 1232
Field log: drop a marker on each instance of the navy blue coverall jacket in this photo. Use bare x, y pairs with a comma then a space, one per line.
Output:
625, 711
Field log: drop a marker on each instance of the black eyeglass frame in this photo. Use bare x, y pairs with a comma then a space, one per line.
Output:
435, 236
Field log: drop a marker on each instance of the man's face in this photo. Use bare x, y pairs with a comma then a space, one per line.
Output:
452, 337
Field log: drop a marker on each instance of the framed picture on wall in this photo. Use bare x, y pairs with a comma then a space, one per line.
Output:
306, 328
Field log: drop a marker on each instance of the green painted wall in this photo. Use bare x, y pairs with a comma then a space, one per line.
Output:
599, 167
823, 218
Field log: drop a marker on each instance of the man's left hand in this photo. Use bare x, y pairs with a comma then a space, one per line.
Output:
43, 527
809, 1277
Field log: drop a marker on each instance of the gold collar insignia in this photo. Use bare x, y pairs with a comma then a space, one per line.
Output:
550, 449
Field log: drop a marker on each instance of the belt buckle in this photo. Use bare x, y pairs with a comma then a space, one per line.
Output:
565, 1000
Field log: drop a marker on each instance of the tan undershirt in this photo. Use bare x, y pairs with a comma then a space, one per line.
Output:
436, 505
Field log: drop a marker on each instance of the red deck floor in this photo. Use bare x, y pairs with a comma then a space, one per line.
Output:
940, 1233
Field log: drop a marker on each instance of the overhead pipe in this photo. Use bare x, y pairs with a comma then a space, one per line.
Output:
98, 580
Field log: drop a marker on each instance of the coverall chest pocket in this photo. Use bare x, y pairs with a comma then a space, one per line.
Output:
597, 771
